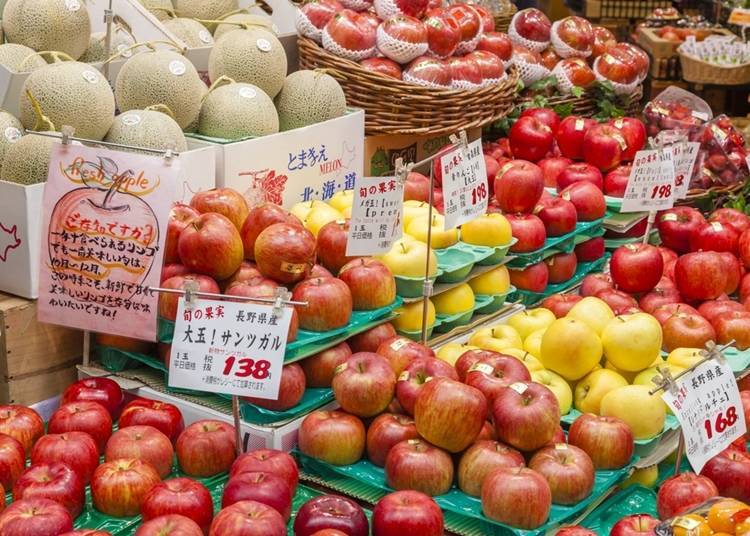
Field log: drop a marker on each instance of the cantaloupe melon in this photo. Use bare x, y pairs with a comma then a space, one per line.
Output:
147, 128
158, 8
237, 111
27, 160
254, 56
11, 130
309, 97
62, 25
246, 18
204, 9
160, 77
97, 50
70, 93
20, 58
193, 127
189, 31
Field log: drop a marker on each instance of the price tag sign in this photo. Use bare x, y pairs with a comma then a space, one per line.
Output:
739, 16
651, 185
464, 184
377, 221
709, 408
683, 155
228, 347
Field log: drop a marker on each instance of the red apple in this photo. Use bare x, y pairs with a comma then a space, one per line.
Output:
22, 424
168, 302
258, 219
211, 245
386, 431
530, 138
666, 311
519, 185
118, 487
370, 340
89, 417
407, 512
617, 300
102, 390
416, 187
570, 136
37, 517
172, 270
734, 271
700, 275
179, 496
498, 43
607, 440
516, 496
580, 172
593, 283
415, 375
635, 524
682, 493
319, 368
568, 470
330, 512
480, 460
248, 518
532, 24
587, 199
169, 525
575, 530
558, 215
550, 58
57, 482
400, 352
180, 216
712, 309
634, 132
262, 487
364, 384
332, 239
144, 443
467, 360
604, 40
224, 201
676, 226
604, 147
545, 115
732, 217
528, 230
561, 267
616, 181
552, 167
329, 303
577, 34
12, 461
733, 326
745, 287
494, 372
590, 250
246, 272
615, 67
470, 23
332, 436
526, 415
714, 236
78, 450
414, 464
730, 471
533, 278
277, 462
291, 390
163, 416
285, 252
657, 297
371, 283
206, 448
561, 304
636, 268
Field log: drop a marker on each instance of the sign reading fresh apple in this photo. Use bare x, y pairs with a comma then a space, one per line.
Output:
652, 182
104, 226
377, 220
709, 408
465, 187
229, 347
684, 155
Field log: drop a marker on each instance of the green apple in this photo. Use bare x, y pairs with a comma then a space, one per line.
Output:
592, 388
452, 351
318, 216
632, 342
342, 199
413, 209
459, 299
496, 281
440, 237
487, 230
558, 386
531, 320
408, 258
496, 338
593, 312
410, 316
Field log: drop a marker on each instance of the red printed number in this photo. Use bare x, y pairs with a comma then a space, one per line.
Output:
665, 190
721, 423
478, 194
246, 367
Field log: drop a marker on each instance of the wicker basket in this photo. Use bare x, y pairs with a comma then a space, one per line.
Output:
395, 107
698, 71
502, 20
585, 105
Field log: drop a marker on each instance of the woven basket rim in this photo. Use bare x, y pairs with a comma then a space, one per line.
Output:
711, 65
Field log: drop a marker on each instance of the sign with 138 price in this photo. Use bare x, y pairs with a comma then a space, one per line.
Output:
465, 188
708, 405
229, 348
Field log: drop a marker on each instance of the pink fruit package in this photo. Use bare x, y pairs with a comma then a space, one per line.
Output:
675, 108
722, 158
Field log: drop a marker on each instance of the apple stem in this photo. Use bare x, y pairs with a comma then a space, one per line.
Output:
114, 187
403, 247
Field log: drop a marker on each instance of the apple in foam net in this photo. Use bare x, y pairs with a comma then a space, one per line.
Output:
348, 30
531, 139
402, 38
549, 58
577, 33
518, 186
570, 135
443, 34
383, 66
604, 40
578, 72
490, 66
498, 43
470, 23
616, 69
532, 24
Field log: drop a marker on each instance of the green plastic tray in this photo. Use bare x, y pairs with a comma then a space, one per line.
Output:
614, 243
497, 301
498, 254
457, 261
557, 244
411, 287
585, 237
464, 507
313, 398
613, 203
739, 360
631, 500
416, 335
446, 323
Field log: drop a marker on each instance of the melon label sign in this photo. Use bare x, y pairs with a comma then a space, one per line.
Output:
103, 232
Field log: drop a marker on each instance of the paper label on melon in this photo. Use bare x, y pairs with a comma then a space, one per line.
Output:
90, 76
177, 68
205, 36
72, 5
247, 93
12, 134
131, 119
263, 45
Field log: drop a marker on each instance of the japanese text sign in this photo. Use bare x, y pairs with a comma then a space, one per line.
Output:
104, 225
707, 404
464, 184
652, 182
229, 347
377, 220
684, 155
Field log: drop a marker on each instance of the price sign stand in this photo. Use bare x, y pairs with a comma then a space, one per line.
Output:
666, 382
280, 301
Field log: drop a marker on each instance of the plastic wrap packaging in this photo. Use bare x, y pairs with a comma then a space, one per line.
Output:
696, 520
396, 49
562, 48
722, 157
676, 109
334, 48
536, 46
428, 72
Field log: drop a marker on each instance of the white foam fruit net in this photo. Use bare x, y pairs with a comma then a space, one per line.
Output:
536, 46
529, 72
386, 8
357, 5
355, 55
563, 49
398, 50
464, 47
619, 88
305, 27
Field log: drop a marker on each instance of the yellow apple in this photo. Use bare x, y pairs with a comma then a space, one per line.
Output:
593, 312
459, 299
440, 238
533, 342
496, 281
647, 377
409, 258
487, 230
646, 477
570, 348
629, 376
342, 200
410, 316
346, 212
592, 388
302, 208
412, 209
633, 404
531, 320
558, 386
632, 342
452, 351
319, 216
531, 362
497, 338
684, 357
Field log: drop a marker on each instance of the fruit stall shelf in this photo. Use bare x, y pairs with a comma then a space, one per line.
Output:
614, 243
586, 104
633, 499
557, 244
461, 333
463, 513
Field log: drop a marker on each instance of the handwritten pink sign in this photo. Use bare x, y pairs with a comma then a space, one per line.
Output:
105, 217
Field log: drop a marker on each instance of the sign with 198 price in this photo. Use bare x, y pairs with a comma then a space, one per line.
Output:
465, 190
708, 405
229, 348
651, 185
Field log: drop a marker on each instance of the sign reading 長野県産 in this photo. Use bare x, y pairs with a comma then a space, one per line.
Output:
103, 230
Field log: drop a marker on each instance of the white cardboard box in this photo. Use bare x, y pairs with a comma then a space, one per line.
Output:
287, 167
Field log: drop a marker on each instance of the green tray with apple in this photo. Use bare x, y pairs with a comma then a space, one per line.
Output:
631, 500
614, 243
411, 287
457, 261
497, 301
466, 510
557, 244
739, 360
446, 323
585, 237
498, 254
312, 399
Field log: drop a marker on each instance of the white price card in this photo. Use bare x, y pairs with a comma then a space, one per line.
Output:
229, 347
651, 185
465, 187
709, 408
377, 220
739, 16
683, 155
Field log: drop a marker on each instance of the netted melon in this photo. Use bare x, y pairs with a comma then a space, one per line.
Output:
204, 9
160, 9
97, 50
27, 160
244, 18
309, 97
147, 128
69, 93
237, 111
20, 58
193, 127
253, 56
160, 77
61, 25
189, 31
11, 130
